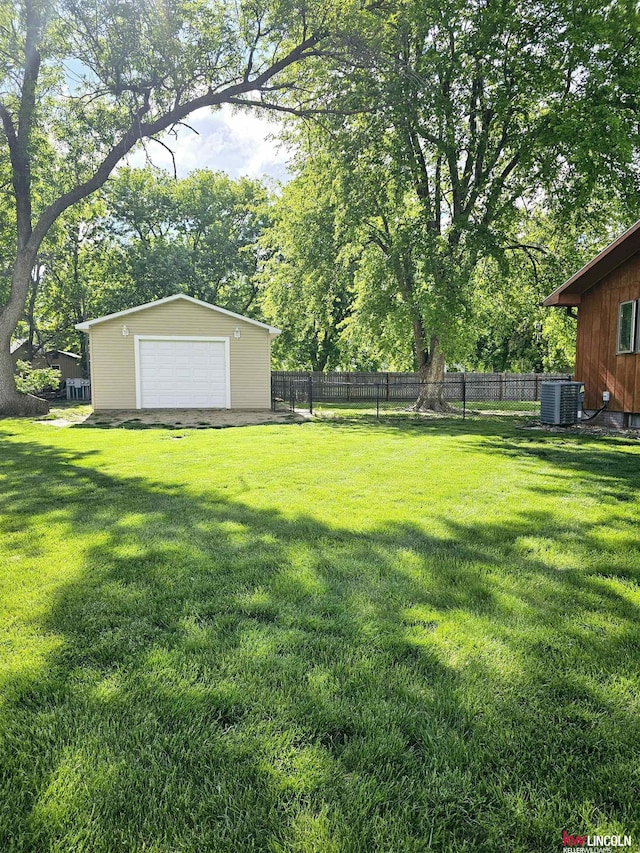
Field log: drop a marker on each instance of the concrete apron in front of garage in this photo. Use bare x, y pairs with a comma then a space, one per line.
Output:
189, 418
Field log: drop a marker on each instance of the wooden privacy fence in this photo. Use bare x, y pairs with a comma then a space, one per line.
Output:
357, 385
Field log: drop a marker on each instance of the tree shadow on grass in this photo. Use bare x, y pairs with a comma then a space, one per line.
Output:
607, 468
521, 431
408, 422
229, 678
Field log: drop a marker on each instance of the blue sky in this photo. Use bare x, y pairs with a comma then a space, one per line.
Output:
238, 143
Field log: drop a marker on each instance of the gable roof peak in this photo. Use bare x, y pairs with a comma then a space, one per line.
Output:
605, 262
88, 324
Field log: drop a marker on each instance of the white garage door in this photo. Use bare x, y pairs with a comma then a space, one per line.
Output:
182, 374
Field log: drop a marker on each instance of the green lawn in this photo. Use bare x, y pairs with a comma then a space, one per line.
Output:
524, 410
341, 635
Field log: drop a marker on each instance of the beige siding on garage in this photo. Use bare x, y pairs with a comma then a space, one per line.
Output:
113, 378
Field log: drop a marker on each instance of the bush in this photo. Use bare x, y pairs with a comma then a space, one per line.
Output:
32, 380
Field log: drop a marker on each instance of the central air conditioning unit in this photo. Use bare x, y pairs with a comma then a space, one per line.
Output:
560, 402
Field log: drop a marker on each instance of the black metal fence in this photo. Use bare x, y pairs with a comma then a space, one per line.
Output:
459, 395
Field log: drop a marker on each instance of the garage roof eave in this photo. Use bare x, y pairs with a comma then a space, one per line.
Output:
87, 325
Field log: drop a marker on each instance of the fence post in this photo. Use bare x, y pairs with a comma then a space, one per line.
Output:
378, 399
292, 397
310, 393
464, 396
387, 386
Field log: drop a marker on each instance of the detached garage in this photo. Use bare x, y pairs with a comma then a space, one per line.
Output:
179, 353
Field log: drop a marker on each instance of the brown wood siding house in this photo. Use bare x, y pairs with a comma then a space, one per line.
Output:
606, 293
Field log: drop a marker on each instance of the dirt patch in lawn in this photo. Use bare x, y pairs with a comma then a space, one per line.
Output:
183, 419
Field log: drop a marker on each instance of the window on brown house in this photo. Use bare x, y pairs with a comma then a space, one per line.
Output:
627, 326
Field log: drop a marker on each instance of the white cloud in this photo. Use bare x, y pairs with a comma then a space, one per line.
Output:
238, 143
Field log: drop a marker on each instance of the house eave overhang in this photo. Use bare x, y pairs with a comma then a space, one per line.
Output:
609, 259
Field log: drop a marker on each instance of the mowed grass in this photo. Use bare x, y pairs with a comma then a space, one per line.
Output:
331, 636
524, 411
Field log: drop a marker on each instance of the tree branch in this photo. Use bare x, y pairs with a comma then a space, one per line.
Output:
171, 153
172, 117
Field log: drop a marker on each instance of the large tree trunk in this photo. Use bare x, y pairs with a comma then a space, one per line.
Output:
31, 312
11, 401
431, 371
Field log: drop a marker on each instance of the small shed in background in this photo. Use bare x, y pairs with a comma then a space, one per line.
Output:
606, 292
179, 353
68, 363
